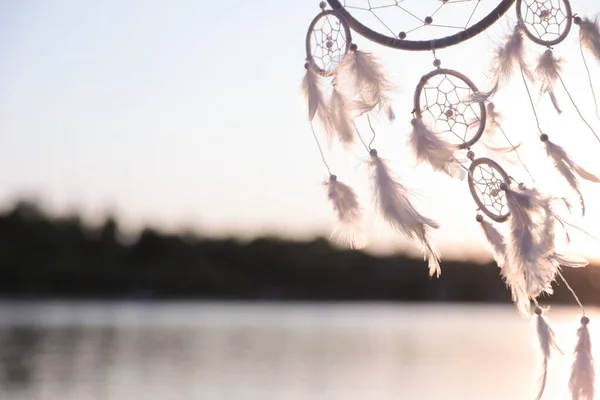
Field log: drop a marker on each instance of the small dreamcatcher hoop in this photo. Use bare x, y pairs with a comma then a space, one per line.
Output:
400, 39
327, 42
444, 96
546, 23
485, 183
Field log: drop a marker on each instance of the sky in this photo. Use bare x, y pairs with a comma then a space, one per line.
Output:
189, 115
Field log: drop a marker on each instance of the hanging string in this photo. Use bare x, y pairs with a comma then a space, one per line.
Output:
572, 292
372, 130
587, 68
537, 120
320, 149
577, 108
367, 147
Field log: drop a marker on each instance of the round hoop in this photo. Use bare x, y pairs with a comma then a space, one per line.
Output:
422, 45
332, 40
540, 19
453, 112
485, 177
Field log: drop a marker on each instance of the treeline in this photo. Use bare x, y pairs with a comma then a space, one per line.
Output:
48, 256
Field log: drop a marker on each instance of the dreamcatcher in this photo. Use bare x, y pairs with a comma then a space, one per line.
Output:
451, 117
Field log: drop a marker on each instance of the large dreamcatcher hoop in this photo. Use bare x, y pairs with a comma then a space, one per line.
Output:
443, 97
400, 39
485, 183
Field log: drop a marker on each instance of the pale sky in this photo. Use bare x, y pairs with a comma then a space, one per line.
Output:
189, 113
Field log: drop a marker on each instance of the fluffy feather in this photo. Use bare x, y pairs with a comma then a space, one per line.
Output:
498, 247
547, 344
313, 92
495, 241
428, 147
589, 35
568, 168
349, 213
340, 118
548, 69
507, 57
365, 82
396, 209
531, 242
581, 383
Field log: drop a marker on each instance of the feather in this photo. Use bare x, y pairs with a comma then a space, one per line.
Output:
567, 168
427, 146
349, 213
365, 81
341, 120
589, 35
507, 57
548, 69
531, 242
498, 247
397, 210
495, 241
581, 383
313, 92
547, 344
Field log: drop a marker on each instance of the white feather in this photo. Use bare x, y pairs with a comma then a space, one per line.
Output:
341, 120
498, 247
568, 168
495, 241
548, 69
507, 57
395, 207
581, 383
313, 92
589, 35
349, 214
547, 344
428, 147
531, 242
364, 80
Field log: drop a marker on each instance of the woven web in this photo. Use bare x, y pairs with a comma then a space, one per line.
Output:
487, 180
445, 106
328, 42
419, 19
546, 19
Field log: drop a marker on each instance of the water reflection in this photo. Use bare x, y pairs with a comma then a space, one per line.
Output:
208, 352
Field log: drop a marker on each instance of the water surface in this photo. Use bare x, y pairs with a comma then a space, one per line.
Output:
172, 351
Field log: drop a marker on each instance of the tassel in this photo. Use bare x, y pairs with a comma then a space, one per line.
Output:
349, 213
367, 82
395, 207
589, 35
548, 70
427, 146
506, 58
547, 343
567, 168
581, 383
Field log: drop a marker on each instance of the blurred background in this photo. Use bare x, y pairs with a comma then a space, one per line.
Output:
164, 229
